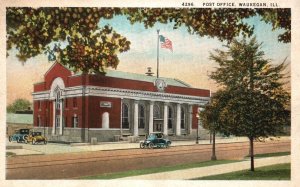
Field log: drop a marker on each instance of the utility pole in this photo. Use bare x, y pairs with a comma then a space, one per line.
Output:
157, 73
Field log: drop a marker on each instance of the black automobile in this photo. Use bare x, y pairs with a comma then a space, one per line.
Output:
155, 139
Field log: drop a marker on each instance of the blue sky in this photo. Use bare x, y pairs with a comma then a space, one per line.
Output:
189, 60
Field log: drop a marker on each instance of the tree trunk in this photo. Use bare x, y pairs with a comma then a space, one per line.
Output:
214, 157
252, 153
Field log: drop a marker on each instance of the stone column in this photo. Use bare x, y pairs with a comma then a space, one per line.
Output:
178, 118
60, 116
151, 117
53, 117
165, 131
136, 119
190, 118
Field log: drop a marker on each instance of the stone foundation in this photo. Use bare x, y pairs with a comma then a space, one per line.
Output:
107, 135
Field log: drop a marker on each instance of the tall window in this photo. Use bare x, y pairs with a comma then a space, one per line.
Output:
57, 121
170, 117
75, 102
57, 100
125, 116
141, 116
182, 117
75, 121
156, 112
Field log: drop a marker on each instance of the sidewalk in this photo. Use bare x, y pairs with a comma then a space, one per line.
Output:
210, 170
54, 148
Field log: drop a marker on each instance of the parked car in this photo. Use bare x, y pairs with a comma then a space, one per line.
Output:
36, 137
155, 139
19, 135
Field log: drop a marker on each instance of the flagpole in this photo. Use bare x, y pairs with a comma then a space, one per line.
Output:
157, 68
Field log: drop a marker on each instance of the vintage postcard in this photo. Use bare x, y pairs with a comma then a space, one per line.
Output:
136, 93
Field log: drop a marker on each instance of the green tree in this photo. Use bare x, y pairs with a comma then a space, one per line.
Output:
255, 90
19, 104
31, 30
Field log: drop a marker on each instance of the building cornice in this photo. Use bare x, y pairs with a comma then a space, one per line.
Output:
78, 91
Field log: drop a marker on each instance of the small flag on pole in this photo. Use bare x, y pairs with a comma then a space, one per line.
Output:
165, 42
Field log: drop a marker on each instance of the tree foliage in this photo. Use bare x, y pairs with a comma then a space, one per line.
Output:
253, 102
31, 30
17, 105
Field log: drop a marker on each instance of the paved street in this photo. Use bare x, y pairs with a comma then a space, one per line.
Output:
77, 164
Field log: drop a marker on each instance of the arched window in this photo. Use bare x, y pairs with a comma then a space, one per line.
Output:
125, 116
156, 112
170, 117
57, 100
182, 117
141, 116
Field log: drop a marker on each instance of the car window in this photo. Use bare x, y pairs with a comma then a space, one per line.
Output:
152, 136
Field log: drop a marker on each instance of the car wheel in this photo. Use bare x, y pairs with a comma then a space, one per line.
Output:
142, 145
33, 141
168, 144
151, 145
18, 139
45, 142
25, 137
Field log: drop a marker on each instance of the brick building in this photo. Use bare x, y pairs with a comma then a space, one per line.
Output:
75, 107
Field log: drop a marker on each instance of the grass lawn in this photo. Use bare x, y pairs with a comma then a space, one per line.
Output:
157, 170
10, 154
273, 172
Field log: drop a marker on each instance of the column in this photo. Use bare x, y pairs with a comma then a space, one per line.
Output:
60, 116
178, 128
53, 117
165, 119
151, 117
136, 119
190, 114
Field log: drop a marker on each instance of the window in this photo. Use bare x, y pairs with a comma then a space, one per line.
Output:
75, 102
170, 117
57, 100
182, 118
141, 116
125, 116
57, 121
75, 122
156, 112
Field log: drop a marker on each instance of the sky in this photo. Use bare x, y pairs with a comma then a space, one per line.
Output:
188, 62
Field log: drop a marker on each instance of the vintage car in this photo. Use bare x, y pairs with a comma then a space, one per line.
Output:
155, 139
19, 135
36, 137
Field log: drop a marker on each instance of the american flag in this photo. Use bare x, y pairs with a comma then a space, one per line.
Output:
165, 42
